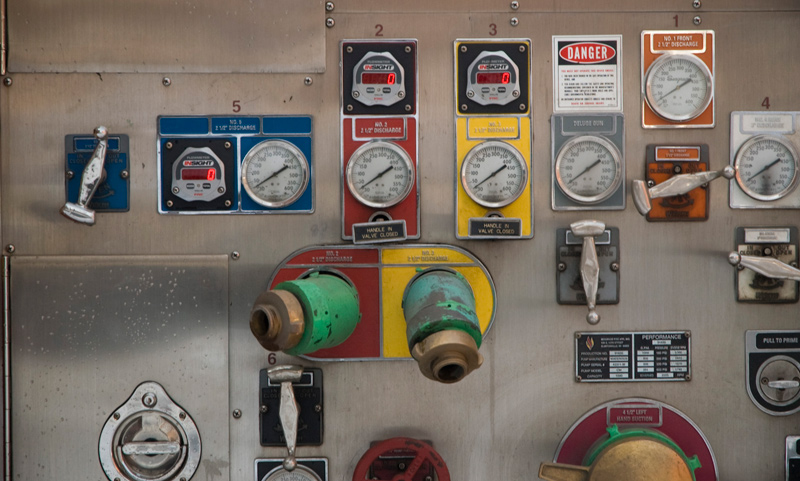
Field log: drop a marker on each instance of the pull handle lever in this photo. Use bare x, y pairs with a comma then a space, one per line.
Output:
289, 410
675, 185
93, 175
766, 266
590, 266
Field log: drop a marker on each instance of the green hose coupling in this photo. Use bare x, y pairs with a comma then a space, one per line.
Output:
305, 315
441, 324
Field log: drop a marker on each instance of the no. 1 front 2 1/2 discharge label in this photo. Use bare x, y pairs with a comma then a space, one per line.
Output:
633, 356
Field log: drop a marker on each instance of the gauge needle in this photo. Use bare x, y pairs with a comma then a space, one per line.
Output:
587, 169
763, 170
273, 175
387, 169
676, 88
491, 175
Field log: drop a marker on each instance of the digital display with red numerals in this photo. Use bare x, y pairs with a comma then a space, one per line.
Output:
198, 174
494, 78
378, 78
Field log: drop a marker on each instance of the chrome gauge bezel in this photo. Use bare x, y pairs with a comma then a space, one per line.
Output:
474, 153
792, 151
407, 162
648, 87
293, 150
616, 156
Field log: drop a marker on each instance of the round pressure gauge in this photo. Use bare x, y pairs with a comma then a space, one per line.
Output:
275, 173
494, 174
588, 169
678, 87
380, 174
767, 167
300, 473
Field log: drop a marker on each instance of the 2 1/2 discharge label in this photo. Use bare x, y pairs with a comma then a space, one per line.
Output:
632, 356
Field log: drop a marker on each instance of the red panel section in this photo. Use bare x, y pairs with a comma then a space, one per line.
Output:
356, 212
366, 339
593, 429
336, 257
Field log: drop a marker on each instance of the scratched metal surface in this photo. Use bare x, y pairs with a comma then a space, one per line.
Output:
508, 416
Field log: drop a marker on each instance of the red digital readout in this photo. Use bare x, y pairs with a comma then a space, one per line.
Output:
198, 174
378, 78
494, 78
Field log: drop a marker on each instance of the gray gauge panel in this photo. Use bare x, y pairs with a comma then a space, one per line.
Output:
493, 79
378, 79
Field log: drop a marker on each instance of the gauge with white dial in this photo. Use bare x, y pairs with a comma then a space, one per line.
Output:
767, 167
588, 169
380, 174
275, 173
494, 174
678, 87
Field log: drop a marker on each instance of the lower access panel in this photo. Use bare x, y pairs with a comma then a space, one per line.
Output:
87, 330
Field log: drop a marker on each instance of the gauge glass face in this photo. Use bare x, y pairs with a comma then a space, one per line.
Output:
275, 173
678, 87
766, 167
494, 174
588, 169
380, 174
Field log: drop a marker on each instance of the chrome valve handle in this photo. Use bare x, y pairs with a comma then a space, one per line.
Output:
590, 266
676, 185
289, 410
93, 174
766, 266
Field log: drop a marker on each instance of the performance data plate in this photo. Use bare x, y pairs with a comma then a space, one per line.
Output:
633, 356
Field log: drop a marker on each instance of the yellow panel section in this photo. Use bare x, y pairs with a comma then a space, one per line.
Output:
395, 279
493, 128
424, 255
468, 208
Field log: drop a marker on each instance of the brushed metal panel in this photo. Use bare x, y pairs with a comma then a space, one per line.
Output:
179, 36
506, 417
87, 330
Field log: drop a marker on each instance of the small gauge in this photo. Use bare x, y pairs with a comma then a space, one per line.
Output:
378, 79
380, 174
767, 167
299, 473
494, 174
198, 175
678, 87
493, 79
275, 173
588, 169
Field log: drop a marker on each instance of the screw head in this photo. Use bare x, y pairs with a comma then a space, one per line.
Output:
169, 203
308, 81
697, 20
168, 145
318, 408
401, 94
514, 21
470, 93
688, 377
522, 107
227, 203
687, 334
522, 48
70, 174
355, 94
614, 266
764, 380
767, 251
515, 93
166, 81
514, 5
578, 335
696, 4
149, 399
562, 267
650, 183
463, 49
182, 415
428, 478
349, 49
124, 174
349, 108
329, 22
578, 378
401, 466
407, 49
237, 413
116, 416
221, 190
408, 108
235, 255
8, 81
227, 145
10, 248
175, 190
464, 107
329, 6
264, 408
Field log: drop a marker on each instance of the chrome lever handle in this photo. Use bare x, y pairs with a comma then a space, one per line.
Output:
289, 410
784, 384
766, 266
93, 174
675, 185
590, 266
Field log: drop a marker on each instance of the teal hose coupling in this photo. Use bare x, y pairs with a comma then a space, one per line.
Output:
305, 315
441, 324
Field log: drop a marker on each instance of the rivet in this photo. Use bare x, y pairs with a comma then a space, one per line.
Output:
463, 49
166, 82
407, 49
318, 408
522, 48
124, 174
70, 174
349, 108
514, 5
228, 203
237, 413
697, 20
464, 107
227, 145
696, 4
169, 203
349, 49
308, 81
562, 267
264, 408
408, 108
614, 266
168, 145
235, 255
329, 22
8, 81
514, 21
522, 107
329, 6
